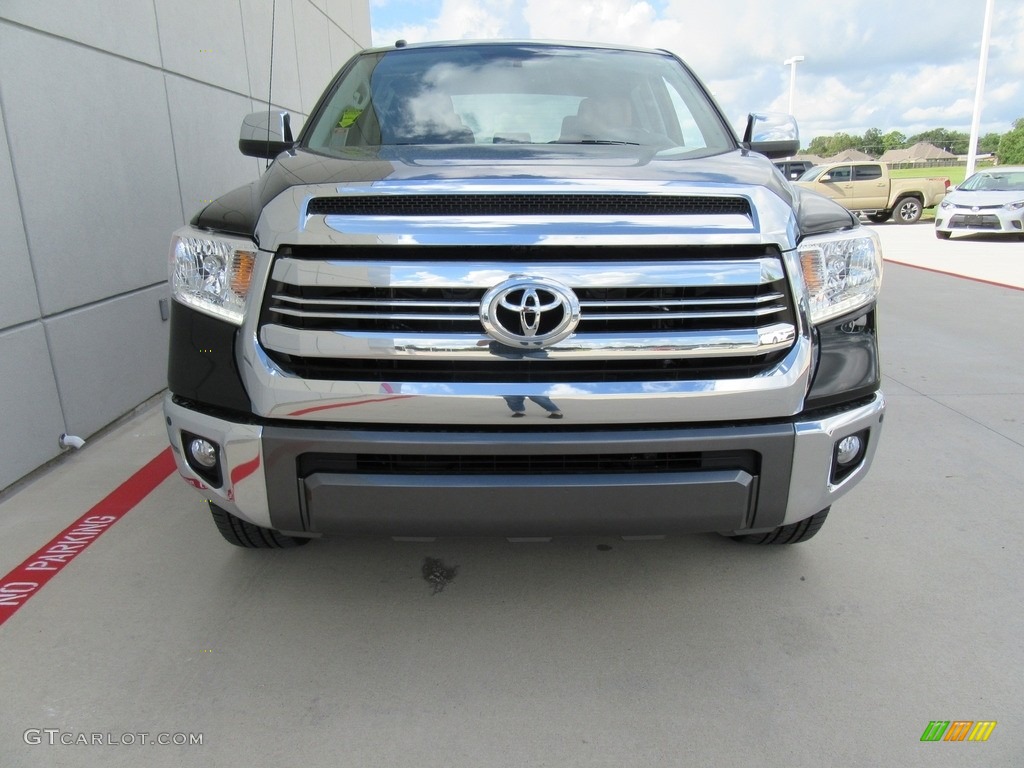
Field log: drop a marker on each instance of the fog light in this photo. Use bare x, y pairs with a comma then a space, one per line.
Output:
848, 455
203, 457
848, 449
205, 454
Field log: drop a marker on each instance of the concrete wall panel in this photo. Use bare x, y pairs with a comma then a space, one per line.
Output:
343, 48
205, 43
125, 28
126, 361
359, 23
91, 142
257, 22
118, 120
341, 13
314, 54
205, 122
19, 293
30, 415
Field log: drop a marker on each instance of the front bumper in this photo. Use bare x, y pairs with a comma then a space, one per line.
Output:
311, 479
986, 221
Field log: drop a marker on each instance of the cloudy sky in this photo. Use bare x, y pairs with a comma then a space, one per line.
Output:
894, 66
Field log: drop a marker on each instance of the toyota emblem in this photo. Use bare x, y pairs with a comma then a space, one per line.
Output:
529, 312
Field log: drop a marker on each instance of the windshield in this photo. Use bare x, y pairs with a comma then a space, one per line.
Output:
811, 174
995, 181
517, 94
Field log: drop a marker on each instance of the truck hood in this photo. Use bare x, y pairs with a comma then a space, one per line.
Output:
238, 211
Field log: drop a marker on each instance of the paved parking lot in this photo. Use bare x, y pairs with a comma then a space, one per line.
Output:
997, 259
905, 609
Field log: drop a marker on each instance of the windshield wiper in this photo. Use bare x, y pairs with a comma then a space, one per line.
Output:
599, 141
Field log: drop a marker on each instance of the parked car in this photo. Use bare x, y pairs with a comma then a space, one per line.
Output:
989, 202
865, 187
794, 169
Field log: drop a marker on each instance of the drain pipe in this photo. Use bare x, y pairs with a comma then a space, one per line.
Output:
70, 441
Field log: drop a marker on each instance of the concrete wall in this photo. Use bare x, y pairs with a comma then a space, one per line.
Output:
119, 119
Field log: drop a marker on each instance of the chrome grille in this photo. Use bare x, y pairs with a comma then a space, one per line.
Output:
339, 314
440, 310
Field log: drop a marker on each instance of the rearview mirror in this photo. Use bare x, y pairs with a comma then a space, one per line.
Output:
266, 134
773, 134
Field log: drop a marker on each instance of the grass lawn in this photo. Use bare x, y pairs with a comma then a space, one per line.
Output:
955, 174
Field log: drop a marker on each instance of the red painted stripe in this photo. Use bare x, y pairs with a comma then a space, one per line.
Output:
347, 405
18, 586
955, 274
242, 471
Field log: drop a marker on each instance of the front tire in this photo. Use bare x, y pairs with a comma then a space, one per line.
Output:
908, 210
242, 533
793, 533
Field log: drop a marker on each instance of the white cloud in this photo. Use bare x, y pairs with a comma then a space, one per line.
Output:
410, 33
890, 68
958, 111
606, 21
455, 20
474, 19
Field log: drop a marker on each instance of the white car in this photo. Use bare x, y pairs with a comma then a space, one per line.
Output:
989, 202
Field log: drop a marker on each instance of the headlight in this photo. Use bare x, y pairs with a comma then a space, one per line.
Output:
843, 272
1014, 206
945, 204
212, 274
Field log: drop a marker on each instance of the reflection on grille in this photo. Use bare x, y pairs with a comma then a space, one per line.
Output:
456, 310
646, 314
525, 205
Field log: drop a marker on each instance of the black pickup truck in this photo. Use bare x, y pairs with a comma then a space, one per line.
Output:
526, 290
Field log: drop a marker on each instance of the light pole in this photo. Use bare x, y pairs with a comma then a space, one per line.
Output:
792, 62
972, 147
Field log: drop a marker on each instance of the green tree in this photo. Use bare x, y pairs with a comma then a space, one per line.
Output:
818, 146
893, 140
872, 142
1011, 145
827, 146
951, 141
989, 143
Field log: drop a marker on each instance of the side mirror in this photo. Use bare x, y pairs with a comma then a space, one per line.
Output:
773, 134
824, 177
266, 134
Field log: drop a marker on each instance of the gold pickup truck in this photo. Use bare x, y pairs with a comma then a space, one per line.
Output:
865, 187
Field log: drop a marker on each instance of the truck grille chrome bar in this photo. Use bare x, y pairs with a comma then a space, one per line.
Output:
363, 320
334, 309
